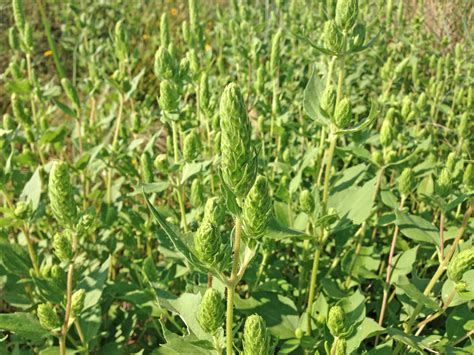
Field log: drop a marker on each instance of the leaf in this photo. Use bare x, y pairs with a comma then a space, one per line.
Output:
53, 135
175, 239
368, 328
279, 312
355, 202
354, 307
24, 324
94, 284
320, 49
410, 340
365, 124
191, 169
415, 294
149, 188
277, 231
32, 190
312, 93
14, 259
66, 109
403, 263
22, 87
417, 228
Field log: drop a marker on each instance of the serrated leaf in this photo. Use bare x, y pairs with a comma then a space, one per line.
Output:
417, 228
312, 94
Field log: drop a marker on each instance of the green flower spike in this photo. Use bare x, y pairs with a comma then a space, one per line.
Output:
214, 211
336, 321
165, 65
256, 209
146, 167
405, 182
62, 245
333, 39
61, 195
211, 311
191, 146
238, 163
210, 246
328, 100
47, 316
343, 113
307, 202
169, 96
77, 304
256, 339
346, 13
458, 266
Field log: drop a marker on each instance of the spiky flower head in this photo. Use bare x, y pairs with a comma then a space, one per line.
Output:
62, 245
256, 340
444, 183
19, 14
405, 181
47, 316
333, 39
13, 39
328, 100
197, 193
23, 210
214, 211
238, 163
343, 113
146, 167
421, 102
61, 195
459, 265
468, 177
77, 304
346, 13
161, 163
256, 209
19, 111
204, 94
307, 201
386, 133
165, 37
210, 246
275, 52
58, 276
211, 311
406, 106
165, 65
169, 96
28, 36
191, 146
336, 321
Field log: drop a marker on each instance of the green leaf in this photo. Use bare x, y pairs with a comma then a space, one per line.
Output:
175, 239
277, 231
54, 135
354, 202
354, 306
21, 87
14, 259
417, 228
279, 312
410, 340
312, 93
24, 324
32, 190
415, 294
94, 284
191, 169
365, 124
368, 328
403, 263
149, 188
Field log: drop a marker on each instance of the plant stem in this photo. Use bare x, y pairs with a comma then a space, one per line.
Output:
114, 146
390, 267
31, 250
231, 283
312, 289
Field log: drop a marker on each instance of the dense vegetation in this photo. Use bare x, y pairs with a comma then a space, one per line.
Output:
241, 176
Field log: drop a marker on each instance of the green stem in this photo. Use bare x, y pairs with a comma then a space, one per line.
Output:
312, 289
231, 283
31, 250
49, 36
175, 141
114, 146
